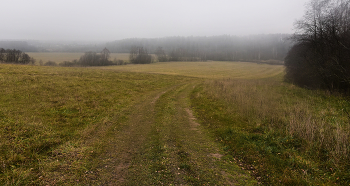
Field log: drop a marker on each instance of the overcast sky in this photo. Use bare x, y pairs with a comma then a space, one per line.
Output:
119, 19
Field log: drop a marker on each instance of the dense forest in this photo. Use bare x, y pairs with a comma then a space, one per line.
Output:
53, 46
218, 48
19, 45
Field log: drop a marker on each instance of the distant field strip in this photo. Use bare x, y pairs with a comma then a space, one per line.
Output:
213, 69
60, 57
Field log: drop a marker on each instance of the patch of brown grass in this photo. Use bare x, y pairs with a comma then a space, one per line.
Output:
277, 126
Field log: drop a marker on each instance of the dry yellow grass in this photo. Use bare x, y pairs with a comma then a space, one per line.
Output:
53, 120
300, 136
214, 69
68, 117
60, 57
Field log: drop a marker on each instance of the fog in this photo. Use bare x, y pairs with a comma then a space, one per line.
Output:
108, 20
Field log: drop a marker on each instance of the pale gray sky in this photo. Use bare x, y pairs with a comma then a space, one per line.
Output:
119, 19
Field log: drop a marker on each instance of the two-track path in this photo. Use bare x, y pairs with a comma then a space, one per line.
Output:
161, 143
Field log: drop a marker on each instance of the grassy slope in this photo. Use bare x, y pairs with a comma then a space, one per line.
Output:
59, 125
285, 134
52, 119
56, 122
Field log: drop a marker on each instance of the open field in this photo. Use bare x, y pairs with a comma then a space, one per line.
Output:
183, 123
60, 57
53, 120
215, 70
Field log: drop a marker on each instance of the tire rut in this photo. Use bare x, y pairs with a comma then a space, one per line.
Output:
163, 144
126, 143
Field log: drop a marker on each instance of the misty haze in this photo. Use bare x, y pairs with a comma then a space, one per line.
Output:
225, 92
114, 20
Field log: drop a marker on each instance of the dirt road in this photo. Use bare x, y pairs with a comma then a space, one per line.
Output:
162, 143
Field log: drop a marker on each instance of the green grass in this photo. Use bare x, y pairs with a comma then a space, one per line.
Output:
287, 135
175, 154
78, 126
52, 120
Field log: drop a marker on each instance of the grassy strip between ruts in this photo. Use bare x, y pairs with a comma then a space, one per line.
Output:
53, 120
284, 134
178, 154
164, 161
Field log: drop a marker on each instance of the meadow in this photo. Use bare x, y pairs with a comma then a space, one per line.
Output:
53, 119
194, 123
207, 70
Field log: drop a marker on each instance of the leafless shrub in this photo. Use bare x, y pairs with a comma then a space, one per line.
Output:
50, 63
139, 55
320, 58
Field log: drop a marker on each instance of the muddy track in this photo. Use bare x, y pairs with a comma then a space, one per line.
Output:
162, 143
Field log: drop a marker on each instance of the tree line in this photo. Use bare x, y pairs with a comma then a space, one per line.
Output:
139, 55
53, 46
93, 59
320, 57
24, 46
88, 59
218, 48
15, 56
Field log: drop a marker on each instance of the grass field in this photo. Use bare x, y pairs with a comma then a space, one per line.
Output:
214, 70
285, 134
60, 57
186, 123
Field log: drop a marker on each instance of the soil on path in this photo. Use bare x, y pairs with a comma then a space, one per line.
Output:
161, 143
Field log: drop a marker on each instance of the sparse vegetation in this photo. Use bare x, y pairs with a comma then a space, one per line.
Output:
73, 63
119, 62
50, 63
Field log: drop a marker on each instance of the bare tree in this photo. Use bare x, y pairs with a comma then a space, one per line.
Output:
322, 49
139, 55
2, 54
17, 55
162, 57
32, 60
105, 54
94, 59
90, 59
25, 59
